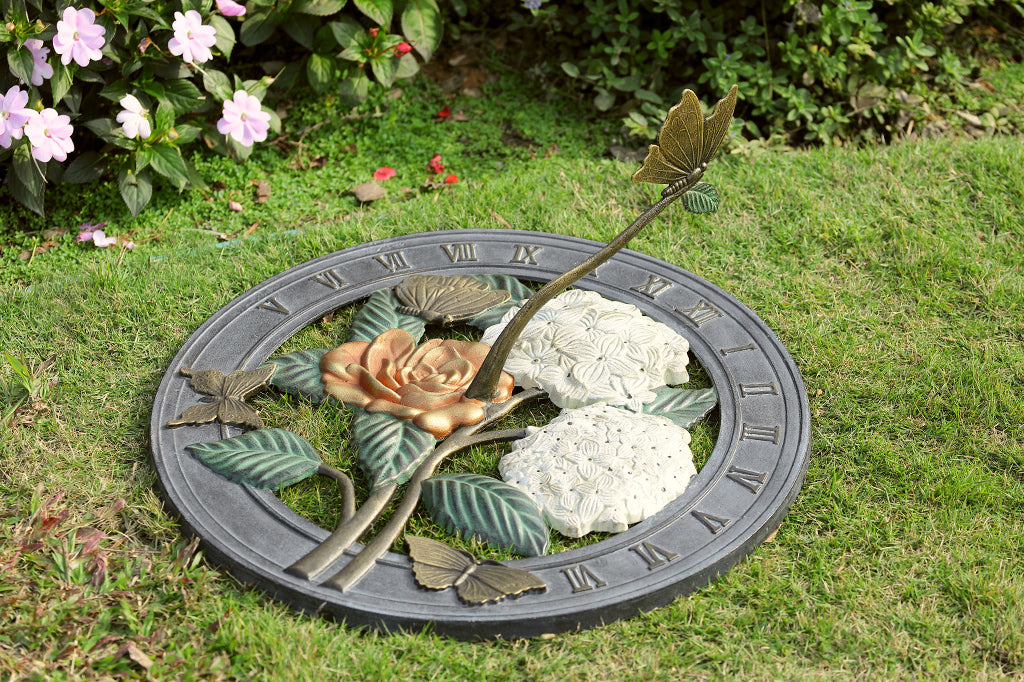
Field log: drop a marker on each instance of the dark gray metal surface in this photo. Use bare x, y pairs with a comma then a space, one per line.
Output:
737, 499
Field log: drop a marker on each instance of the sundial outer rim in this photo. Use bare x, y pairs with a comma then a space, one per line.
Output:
378, 601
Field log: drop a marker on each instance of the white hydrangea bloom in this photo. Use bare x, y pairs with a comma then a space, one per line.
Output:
583, 348
601, 468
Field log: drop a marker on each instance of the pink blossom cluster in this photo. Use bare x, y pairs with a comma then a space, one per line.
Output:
48, 132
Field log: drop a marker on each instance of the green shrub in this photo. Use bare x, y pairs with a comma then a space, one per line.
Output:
821, 71
123, 86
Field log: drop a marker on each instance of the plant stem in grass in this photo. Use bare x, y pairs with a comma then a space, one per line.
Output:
485, 384
350, 529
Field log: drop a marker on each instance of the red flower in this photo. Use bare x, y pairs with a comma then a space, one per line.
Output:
444, 113
373, 32
383, 173
402, 48
451, 179
435, 165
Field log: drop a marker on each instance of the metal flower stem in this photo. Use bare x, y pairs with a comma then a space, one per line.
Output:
485, 384
349, 531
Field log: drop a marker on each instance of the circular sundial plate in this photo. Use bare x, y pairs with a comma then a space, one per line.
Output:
737, 499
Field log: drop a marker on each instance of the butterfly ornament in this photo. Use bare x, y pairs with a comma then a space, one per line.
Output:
224, 396
437, 566
687, 143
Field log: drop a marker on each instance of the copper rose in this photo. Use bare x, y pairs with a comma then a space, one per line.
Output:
424, 384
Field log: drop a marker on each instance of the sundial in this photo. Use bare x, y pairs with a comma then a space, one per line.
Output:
418, 395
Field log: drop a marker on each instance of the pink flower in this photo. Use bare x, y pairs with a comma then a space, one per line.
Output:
50, 135
402, 49
192, 40
78, 37
234, 206
230, 8
383, 173
444, 113
101, 240
134, 119
13, 115
244, 119
373, 32
435, 165
85, 232
451, 179
40, 69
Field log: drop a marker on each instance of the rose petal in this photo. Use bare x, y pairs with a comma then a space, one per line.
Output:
345, 392
391, 345
429, 396
439, 423
396, 409
335, 361
371, 385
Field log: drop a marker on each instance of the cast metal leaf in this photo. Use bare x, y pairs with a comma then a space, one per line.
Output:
437, 298
268, 458
702, 198
224, 396
379, 314
389, 448
685, 407
491, 510
299, 373
687, 143
436, 566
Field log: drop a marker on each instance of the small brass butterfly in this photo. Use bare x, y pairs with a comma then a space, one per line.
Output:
437, 566
437, 298
687, 143
224, 398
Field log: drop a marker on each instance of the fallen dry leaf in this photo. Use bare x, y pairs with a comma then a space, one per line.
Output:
135, 653
369, 191
262, 190
459, 116
54, 233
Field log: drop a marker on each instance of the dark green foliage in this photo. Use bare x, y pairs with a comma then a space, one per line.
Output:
820, 71
336, 46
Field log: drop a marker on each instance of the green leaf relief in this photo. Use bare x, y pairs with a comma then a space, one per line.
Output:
389, 449
299, 373
703, 198
685, 407
268, 458
380, 313
492, 510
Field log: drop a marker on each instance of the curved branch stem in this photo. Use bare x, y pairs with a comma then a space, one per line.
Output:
462, 438
350, 529
485, 384
348, 491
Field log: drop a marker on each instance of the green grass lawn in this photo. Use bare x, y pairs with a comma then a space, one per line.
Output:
892, 274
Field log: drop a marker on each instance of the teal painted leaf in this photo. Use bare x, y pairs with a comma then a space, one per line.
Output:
379, 314
703, 198
389, 449
492, 510
299, 373
268, 458
683, 406
510, 284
